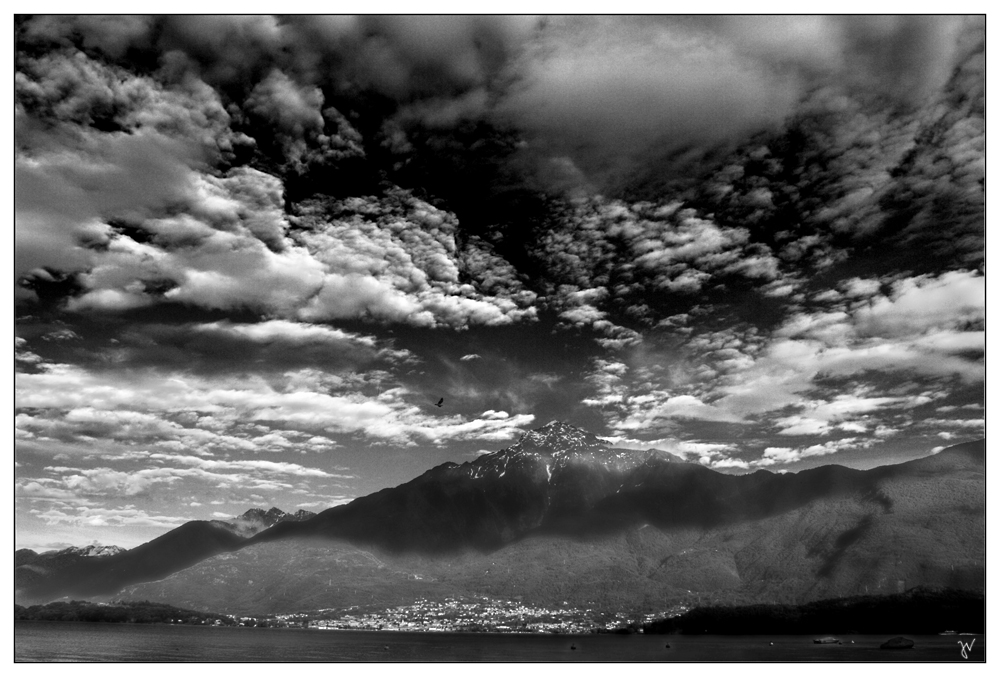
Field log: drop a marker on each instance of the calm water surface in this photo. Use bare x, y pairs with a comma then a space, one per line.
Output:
112, 642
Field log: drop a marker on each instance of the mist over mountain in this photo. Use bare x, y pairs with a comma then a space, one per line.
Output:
562, 515
255, 520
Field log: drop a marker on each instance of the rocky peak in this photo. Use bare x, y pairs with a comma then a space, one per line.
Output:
270, 517
274, 515
557, 436
255, 520
253, 515
95, 550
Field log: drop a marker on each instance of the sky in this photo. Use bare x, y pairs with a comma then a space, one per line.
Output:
252, 253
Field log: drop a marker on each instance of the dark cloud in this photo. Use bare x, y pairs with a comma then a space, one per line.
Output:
608, 94
753, 241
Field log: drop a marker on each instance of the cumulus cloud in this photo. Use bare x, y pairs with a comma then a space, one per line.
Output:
233, 253
221, 240
922, 304
292, 109
243, 238
87, 516
606, 377
201, 415
579, 310
303, 335
710, 454
786, 455
660, 405
956, 422
45, 490
922, 328
398, 259
651, 247
820, 418
283, 330
72, 177
602, 89
295, 115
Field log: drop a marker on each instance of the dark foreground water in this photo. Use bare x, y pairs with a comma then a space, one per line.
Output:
112, 642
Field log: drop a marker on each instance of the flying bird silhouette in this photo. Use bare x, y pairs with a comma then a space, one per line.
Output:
439, 402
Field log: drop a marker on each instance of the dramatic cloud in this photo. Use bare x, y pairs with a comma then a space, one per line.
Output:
252, 253
205, 416
610, 92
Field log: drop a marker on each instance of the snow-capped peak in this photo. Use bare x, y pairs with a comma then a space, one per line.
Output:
560, 437
95, 550
543, 453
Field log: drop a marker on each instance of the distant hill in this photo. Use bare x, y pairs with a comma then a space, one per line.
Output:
26, 556
124, 612
78, 571
920, 611
561, 516
31, 567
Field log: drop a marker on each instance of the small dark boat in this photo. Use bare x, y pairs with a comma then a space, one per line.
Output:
897, 643
826, 640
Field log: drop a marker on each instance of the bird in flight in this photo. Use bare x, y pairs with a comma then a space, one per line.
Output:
439, 402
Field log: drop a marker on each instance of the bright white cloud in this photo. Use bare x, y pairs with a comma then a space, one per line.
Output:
917, 305
786, 455
86, 516
201, 414
920, 329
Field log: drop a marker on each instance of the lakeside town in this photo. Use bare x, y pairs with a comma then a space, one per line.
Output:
465, 614
461, 614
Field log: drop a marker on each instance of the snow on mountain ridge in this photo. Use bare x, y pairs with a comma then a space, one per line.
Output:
554, 446
95, 550
561, 437
255, 520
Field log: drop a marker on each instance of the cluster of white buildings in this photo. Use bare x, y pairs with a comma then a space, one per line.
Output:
481, 614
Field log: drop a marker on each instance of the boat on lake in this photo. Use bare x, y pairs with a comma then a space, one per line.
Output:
826, 640
897, 643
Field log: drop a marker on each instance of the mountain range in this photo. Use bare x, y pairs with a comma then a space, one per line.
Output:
256, 520
562, 516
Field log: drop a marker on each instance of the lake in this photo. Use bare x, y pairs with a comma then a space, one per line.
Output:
114, 642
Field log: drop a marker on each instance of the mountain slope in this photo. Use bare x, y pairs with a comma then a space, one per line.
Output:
562, 513
564, 481
175, 550
69, 572
830, 548
31, 567
833, 532
546, 480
